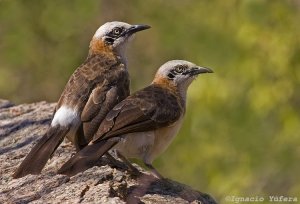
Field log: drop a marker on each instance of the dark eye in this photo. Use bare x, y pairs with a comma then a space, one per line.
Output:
171, 76
117, 31
179, 69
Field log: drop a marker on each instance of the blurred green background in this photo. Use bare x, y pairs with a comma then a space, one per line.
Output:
241, 134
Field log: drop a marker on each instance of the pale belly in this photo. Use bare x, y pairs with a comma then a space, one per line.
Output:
148, 145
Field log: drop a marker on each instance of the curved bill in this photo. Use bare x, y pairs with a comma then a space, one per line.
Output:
199, 70
136, 28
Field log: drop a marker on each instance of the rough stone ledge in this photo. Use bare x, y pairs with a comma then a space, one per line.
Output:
22, 125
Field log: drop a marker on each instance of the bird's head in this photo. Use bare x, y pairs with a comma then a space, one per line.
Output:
115, 35
179, 73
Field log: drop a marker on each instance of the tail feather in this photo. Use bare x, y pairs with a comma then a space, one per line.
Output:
41, 152
87, 157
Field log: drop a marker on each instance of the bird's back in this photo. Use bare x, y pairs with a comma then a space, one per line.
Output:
96, 69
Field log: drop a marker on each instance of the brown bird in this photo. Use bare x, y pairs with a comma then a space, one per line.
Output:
144, 124
94, 88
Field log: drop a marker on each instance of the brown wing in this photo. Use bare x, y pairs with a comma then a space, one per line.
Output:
147, 109
94, 103
94, 112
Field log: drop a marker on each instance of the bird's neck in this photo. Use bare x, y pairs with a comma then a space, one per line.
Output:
182, 91
98, 47
170, 86
183, 87
164, 83
121, 53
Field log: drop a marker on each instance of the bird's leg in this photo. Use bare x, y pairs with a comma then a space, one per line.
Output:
113, 160
110, 157
133, 170
154, 171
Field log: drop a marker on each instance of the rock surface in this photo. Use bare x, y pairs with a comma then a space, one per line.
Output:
21, 126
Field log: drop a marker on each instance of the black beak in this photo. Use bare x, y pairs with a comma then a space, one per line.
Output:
135, 28
199, 70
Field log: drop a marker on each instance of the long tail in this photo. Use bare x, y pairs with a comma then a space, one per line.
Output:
87, 157
41, 152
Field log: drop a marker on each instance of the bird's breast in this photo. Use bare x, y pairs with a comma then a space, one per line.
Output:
163, 138
135, 145
148, 145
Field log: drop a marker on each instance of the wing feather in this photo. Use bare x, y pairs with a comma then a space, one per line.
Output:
92, 106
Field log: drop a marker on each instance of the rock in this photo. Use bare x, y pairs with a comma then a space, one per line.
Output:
22, 125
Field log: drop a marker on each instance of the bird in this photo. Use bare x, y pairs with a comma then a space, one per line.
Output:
143, 125
92, 90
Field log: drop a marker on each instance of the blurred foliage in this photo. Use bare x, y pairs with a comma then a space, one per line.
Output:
241, 134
